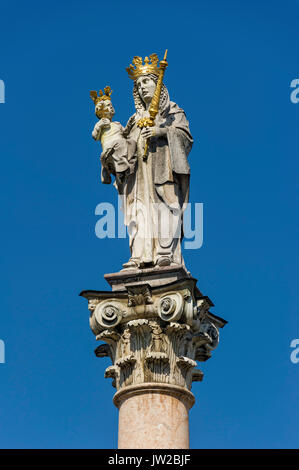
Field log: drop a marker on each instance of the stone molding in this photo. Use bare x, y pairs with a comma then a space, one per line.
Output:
180, 393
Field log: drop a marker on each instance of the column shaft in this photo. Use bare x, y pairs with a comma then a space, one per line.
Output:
153, 417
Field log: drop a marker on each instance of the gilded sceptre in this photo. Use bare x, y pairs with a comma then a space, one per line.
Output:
154, 106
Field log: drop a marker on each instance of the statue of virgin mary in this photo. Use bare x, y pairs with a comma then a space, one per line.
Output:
156, 189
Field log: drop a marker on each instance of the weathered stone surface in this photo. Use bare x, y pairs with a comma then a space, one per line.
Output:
153, 333
161, 408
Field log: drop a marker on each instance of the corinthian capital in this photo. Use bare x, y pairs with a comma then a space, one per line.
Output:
154, 333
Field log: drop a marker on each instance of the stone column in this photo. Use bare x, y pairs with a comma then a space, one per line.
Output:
154, 416
155, 325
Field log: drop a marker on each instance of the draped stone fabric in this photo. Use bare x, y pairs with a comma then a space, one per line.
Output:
169, 153
156, 189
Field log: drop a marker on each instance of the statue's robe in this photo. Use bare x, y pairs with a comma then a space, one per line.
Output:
162, 179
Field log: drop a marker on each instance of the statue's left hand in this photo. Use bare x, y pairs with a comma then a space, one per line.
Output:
154, 131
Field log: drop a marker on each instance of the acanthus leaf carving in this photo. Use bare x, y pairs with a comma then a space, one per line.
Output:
103, 350
139, 295
154, 334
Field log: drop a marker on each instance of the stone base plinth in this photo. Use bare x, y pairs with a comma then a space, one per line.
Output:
154, 277
153, 416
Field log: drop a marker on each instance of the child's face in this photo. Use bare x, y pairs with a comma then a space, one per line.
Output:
105, 107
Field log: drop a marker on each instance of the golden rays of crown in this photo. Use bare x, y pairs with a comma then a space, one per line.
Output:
150, 66
102, 96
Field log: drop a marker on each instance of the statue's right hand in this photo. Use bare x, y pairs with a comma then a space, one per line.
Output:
103, 122
97, 127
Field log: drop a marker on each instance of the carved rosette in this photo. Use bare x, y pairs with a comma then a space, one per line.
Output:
154, 334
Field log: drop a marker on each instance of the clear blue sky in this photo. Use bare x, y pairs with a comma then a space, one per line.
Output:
230, 68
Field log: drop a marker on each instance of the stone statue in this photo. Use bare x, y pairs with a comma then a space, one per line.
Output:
155, 322
152, 177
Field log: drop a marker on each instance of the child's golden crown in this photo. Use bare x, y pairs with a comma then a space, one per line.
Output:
102, 96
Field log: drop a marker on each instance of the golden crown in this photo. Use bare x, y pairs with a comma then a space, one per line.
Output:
102, 96
150, 66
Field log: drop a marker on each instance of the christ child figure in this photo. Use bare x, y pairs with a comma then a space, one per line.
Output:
114, 157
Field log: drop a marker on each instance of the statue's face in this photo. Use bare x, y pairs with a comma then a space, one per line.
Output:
146, 88
108, 108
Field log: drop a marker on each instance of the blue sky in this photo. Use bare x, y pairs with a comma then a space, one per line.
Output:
230, 67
